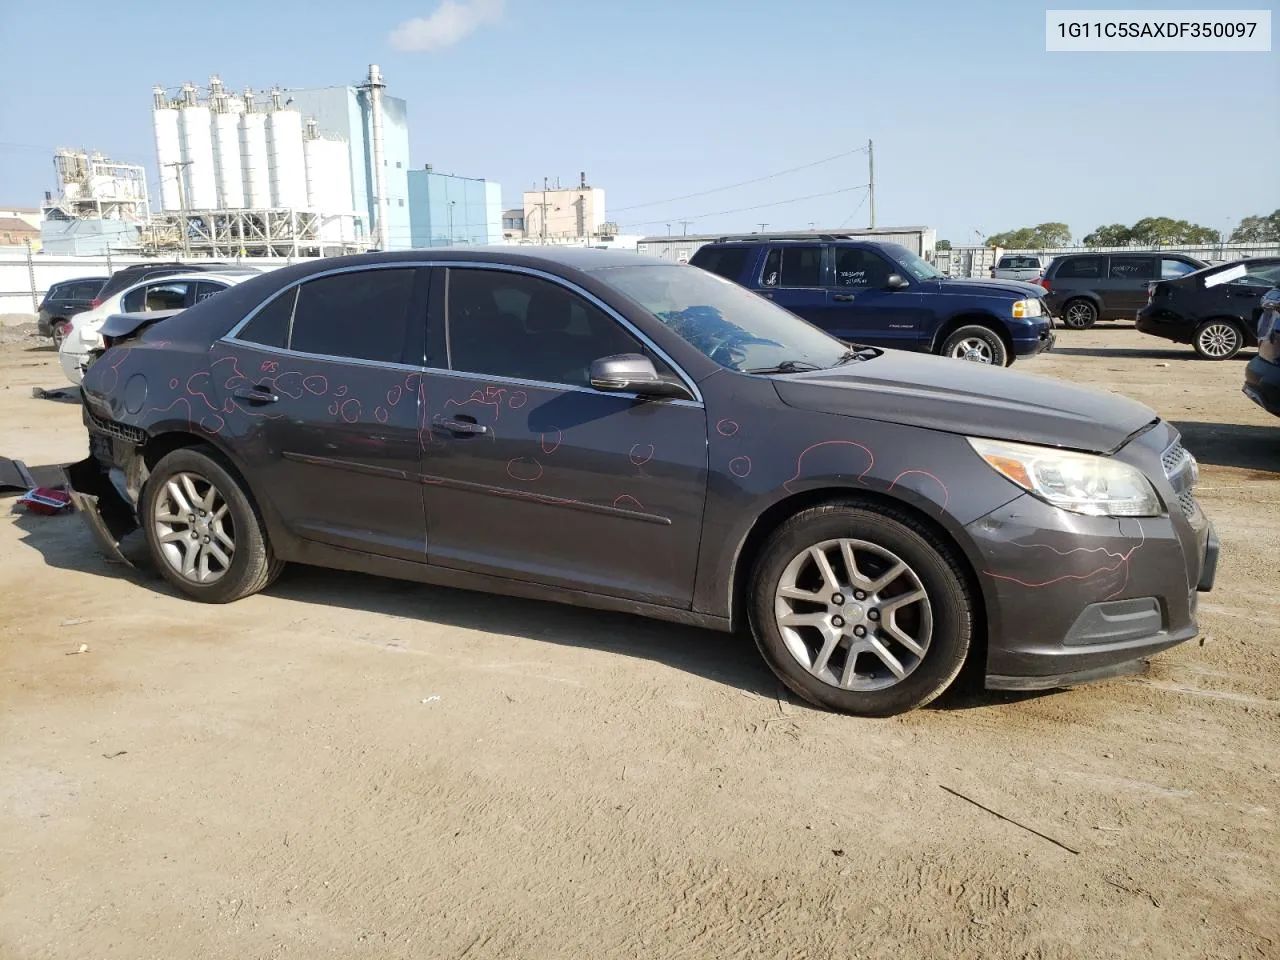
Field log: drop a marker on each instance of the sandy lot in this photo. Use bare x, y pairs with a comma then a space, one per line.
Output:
349, 767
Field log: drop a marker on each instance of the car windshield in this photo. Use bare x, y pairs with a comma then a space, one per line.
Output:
918, 267
731, 325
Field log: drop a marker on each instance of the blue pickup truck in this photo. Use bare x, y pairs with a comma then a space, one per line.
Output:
883, 295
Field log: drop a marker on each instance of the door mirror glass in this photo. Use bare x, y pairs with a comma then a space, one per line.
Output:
895, 281
633, 373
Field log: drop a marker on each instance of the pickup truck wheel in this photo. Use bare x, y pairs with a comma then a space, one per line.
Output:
1079, 314
203, 533
977, 344
861, 609
1218, 340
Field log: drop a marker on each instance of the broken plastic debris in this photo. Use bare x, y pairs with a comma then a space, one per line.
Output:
431, 699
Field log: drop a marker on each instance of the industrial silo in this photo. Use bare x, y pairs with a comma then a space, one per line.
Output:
328, 173
253, 155
288, 165
168, 150
197, 151
226, 147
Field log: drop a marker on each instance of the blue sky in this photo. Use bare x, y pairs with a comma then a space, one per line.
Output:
975, 126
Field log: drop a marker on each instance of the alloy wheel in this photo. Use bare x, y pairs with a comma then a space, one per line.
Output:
1078, 316
974, 349
60, 330
853, 614
193, 527
1218, 340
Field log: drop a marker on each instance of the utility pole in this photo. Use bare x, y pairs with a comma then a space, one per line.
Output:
180, 166
762, 226
544, 209
871, 180
684, 227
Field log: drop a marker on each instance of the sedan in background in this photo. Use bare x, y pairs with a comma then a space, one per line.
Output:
165, 292
1262, 376
623, 433
1216, 310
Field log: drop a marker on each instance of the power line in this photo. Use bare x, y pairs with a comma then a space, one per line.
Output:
744, 183
758, 206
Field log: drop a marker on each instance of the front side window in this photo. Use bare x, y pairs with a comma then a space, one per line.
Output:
861, 268
729, 324
793, 267
1132, 268
916, 266
1081, 268
1262, 274
361, 315
506, 324
1172, 269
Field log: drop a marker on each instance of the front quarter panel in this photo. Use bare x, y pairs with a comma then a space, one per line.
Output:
762, 453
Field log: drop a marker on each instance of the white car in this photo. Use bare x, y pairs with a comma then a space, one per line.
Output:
172, 292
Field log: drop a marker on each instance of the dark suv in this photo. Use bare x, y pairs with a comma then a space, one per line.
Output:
883, 295
1083, 288
1215, 310
63, 301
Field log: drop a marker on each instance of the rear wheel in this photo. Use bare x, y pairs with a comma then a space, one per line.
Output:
977, 344
1079, 314
1218, 340
861, 609
202, 530
58, 329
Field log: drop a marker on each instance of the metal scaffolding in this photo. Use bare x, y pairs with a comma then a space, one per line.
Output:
257, 232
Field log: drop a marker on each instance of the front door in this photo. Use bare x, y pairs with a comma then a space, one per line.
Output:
529, 472
794, 277
862, 308
321, 390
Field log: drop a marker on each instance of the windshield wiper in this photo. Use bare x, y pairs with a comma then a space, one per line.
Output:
786, 366
857, 353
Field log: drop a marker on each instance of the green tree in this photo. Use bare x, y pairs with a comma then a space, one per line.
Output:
942, 245
1052, 234
1150, 231
1262, 229
1111, 235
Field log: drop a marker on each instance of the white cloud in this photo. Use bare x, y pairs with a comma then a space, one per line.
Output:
447, 24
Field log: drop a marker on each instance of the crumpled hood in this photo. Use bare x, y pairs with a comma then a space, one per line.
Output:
978, 287
957, 396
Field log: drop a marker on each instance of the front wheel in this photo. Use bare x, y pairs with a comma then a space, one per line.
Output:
203, 533
977, 344
861, 609
1218, 340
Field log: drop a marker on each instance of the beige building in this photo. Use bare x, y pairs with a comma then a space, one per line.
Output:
559, 214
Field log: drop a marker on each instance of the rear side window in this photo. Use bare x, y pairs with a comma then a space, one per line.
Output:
206, 289
727, 262
792, 267
1172, 269
1133, 268
157, 296
270, 325
360, 315
1081, 268
85, 289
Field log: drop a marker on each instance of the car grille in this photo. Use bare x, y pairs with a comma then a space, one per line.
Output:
121, 431
1187, 501
1177, 462
1174, 459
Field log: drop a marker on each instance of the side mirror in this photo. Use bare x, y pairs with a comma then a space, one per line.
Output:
634, 373
895, 281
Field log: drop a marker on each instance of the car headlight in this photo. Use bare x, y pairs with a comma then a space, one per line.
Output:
1079, 482
1026, 308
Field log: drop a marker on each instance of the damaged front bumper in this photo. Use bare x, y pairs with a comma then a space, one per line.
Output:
109, 516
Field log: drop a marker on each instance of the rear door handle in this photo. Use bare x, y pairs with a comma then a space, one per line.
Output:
459, 426
257, 394
842, 297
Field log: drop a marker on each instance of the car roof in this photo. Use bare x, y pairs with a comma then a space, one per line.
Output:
531, 255
231, 276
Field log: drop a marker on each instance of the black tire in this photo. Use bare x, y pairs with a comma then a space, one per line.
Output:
1079, 314
253, 566
1218, 339
963, 345
58, 330
940, 573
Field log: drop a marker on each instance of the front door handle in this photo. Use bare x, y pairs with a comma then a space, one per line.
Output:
842, 297
258, 394
459, 426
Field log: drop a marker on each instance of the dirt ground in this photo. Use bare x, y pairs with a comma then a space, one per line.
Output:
350, 767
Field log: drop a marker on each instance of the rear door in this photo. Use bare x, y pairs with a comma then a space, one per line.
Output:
795, 278
1127, 278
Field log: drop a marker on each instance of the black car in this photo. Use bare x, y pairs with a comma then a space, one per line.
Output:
630, 434
1216, 310
1262, 375
126, 277
1083, 288
884, 295
62, 302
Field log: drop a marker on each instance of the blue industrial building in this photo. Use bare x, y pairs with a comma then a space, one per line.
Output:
446, 211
